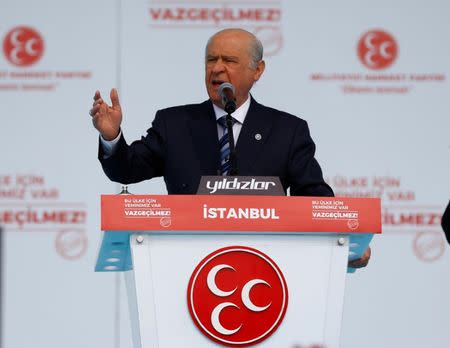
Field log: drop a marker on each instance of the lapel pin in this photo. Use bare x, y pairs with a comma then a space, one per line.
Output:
258, 136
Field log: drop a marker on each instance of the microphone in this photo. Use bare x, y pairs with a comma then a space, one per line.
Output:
226, 92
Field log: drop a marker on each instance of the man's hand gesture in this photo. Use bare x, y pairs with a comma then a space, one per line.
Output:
107, 119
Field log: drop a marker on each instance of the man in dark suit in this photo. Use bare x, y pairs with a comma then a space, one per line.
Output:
183, 142
183, 145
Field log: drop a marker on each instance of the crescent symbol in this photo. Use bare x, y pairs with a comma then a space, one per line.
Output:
14, 37
29, 47
211, 281
14, 56
368, 58
383, 50
368, 40
245, 295
216, 322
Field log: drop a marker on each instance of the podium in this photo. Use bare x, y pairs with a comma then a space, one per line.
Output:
235, 271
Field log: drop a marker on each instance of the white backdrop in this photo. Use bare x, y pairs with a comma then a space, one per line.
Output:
379, 132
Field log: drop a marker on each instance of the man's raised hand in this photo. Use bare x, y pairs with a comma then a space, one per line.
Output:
107, 119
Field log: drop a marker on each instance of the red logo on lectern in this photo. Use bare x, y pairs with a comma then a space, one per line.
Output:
23, 46
237, 296
377, 49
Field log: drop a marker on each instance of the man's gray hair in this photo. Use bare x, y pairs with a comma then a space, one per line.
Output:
256, 47
256, 51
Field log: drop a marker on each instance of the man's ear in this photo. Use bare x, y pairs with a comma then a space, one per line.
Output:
260, 67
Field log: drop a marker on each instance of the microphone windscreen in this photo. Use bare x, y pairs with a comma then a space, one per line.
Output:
223, 86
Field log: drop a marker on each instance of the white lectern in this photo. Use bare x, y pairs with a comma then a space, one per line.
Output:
207, 271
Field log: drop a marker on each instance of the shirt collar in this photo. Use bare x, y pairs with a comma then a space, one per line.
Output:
238, 115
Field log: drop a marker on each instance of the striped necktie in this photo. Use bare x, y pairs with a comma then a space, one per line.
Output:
224, 145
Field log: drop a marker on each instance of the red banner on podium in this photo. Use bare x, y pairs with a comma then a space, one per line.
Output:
240, 213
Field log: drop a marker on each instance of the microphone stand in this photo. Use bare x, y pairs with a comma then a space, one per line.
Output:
233, 161
226, 91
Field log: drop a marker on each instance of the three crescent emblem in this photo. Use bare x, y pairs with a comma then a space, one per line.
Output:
245, 296
237, 296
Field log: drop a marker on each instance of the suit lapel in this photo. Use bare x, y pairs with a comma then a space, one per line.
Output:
203, 130
254, 133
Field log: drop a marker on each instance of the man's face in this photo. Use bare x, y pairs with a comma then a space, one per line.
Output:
228, 60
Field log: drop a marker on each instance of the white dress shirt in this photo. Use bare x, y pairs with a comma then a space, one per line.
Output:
238, 115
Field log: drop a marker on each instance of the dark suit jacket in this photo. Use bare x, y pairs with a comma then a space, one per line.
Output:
183, 145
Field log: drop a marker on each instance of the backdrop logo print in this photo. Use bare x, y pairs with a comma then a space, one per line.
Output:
377, 49
237, 296
429, 246
271, 38
71, 244
23, 46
